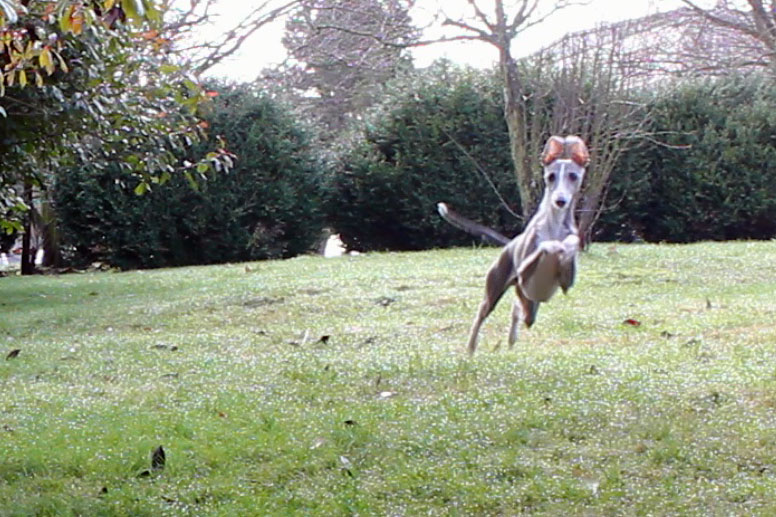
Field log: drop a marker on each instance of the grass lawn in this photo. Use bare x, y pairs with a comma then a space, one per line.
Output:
339, 386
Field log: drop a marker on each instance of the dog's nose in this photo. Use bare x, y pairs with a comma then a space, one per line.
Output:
560, 202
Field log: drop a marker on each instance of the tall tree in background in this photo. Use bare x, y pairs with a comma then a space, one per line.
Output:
342, 51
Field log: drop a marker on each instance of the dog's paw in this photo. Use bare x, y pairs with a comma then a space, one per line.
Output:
552, 247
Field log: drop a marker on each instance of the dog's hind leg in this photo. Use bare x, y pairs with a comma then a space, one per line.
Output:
514, 328
522, 310
486, 307
500, 276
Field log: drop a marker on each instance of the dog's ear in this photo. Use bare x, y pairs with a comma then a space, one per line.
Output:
578, 150
553, 150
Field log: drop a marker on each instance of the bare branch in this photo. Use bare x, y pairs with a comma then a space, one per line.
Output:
481, 15
257, 19
718, 20
480, 34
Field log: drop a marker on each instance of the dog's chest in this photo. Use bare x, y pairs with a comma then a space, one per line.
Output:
552, 232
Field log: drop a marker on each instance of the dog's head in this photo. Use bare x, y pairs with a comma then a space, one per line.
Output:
564, 161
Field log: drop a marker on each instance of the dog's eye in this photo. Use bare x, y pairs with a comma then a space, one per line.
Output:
573, 176
551, 177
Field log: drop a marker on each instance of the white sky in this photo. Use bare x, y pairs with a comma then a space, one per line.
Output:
265, 48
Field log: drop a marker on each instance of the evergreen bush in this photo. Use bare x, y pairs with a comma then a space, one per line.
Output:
431, 140
269, 205
712, 176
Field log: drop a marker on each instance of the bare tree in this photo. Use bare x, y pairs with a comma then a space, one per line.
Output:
585, 82
579, 85
499, 25
752, 21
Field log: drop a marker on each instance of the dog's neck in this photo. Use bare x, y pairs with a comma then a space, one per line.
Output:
552, 223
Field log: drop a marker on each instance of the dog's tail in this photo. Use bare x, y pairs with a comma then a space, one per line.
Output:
470, 226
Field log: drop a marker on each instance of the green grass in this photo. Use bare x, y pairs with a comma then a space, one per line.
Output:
225, 367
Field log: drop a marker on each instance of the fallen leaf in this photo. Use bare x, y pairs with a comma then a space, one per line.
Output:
632, 322
158, 458
13, 354
385, 301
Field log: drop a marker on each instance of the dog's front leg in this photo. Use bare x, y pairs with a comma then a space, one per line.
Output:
538, 273
568, 262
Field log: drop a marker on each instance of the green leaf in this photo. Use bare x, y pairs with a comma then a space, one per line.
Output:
169, 69
134, 10
141, 188
202, 168
64, 19
192, 182
152, 13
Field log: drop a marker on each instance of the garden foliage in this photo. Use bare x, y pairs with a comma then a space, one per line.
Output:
433, 138
267, 206
709, 173
702, 169
705, 172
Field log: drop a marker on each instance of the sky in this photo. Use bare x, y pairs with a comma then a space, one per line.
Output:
265, 48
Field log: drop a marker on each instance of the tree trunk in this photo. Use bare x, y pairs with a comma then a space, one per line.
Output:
514, 113
588, 215
28, 253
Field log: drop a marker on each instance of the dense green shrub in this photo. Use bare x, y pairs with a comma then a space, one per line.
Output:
706, 173
267, 206
409, 156
713, 174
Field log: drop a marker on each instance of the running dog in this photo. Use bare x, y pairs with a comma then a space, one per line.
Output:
544, 256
